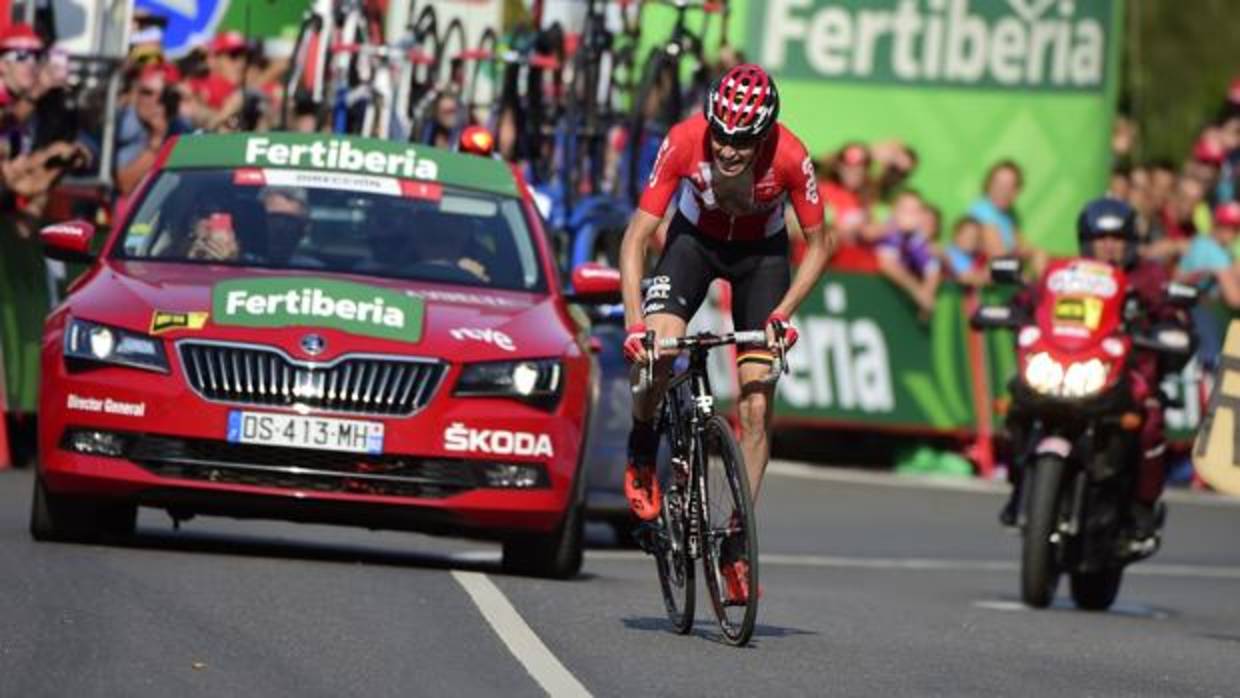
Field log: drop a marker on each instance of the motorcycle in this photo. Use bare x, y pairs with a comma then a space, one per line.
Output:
1074, 425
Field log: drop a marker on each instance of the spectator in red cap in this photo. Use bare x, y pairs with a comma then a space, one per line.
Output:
218, 93
20, 52
849, 193
35, 150
146, 123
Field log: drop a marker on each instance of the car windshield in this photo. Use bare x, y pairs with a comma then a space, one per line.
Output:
378, 226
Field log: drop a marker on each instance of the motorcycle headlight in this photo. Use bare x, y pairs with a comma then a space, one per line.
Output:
1084, 378
1044, 374
1079, 379
93, 342
537, 381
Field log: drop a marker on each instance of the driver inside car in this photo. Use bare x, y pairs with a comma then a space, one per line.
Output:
445, 242
1107, 232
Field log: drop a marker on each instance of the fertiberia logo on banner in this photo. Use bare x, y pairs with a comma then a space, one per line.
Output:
1005, 44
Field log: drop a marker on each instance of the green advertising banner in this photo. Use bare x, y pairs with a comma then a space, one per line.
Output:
865, 357
964, 82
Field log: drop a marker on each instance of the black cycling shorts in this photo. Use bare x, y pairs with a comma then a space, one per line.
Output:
758, 271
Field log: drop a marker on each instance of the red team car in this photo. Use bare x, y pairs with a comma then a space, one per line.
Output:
323, 329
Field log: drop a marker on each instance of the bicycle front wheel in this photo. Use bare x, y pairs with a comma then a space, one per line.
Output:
729, 532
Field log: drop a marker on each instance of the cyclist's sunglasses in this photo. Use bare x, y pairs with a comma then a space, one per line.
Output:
740, 141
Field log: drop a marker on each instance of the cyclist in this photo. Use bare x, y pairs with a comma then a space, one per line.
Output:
1107, 231
734, 167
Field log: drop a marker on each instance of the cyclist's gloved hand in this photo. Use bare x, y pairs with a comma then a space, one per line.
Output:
774, 323
634, 335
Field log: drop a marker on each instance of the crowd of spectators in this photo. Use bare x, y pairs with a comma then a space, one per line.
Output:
38, 143
1188, 214
885, 226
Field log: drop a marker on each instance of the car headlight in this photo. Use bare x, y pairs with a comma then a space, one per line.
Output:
1080, 379
534, 381
91, 341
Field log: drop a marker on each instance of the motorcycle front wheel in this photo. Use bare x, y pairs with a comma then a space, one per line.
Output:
1096, 591
1039, 567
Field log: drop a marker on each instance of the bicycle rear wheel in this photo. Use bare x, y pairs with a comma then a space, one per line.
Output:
729, 532
676, 572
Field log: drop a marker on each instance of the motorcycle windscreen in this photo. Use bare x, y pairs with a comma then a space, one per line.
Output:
1080, 303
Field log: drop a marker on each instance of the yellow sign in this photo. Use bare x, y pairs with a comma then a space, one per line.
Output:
1079, 311
1216, 453
162, 321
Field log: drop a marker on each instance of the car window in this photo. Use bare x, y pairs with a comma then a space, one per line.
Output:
378, 226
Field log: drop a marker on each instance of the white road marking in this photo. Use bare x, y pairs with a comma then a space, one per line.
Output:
1122, 609
926, 564
808, 471
520, 639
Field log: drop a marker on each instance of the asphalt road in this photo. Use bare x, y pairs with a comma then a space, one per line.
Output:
870, 589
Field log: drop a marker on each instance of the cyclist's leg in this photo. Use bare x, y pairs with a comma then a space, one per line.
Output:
759, 281
677, 287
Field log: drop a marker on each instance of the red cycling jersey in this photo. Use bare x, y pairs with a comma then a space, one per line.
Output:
782, 170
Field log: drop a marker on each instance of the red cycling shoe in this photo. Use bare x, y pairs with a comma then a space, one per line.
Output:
641, 488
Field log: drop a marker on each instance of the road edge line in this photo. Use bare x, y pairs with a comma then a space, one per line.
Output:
518, 636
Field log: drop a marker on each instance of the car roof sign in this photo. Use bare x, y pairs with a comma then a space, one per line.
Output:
336, 153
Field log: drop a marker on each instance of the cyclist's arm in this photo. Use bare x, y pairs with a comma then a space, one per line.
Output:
664, 180
819, 243
637, 236
802, 186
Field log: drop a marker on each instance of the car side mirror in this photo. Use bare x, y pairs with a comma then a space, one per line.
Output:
1005, 270
1182, 295
595, 284
996, 317
68, 241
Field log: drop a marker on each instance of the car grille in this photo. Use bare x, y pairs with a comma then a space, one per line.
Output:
251, 375
303, 469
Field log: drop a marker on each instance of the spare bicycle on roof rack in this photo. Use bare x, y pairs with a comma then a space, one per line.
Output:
664, 95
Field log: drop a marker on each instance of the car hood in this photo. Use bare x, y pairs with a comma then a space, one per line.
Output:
460, 323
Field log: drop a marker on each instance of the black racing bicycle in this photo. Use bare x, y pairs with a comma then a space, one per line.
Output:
707, 504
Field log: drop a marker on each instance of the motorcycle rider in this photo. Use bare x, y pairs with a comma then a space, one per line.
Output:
1107, 231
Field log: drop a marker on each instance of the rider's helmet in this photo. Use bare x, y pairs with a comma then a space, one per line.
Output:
1107, 217
741, 107
477, 140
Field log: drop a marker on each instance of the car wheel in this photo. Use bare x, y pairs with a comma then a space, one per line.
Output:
555, 555
58, 517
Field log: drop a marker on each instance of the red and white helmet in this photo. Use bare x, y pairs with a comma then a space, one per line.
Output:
742, 105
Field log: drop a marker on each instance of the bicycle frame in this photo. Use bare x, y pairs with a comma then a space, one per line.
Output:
687, 405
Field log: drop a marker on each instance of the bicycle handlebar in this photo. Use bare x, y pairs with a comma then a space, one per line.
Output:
708, 340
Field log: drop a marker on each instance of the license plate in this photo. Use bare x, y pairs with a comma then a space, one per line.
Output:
322, 433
